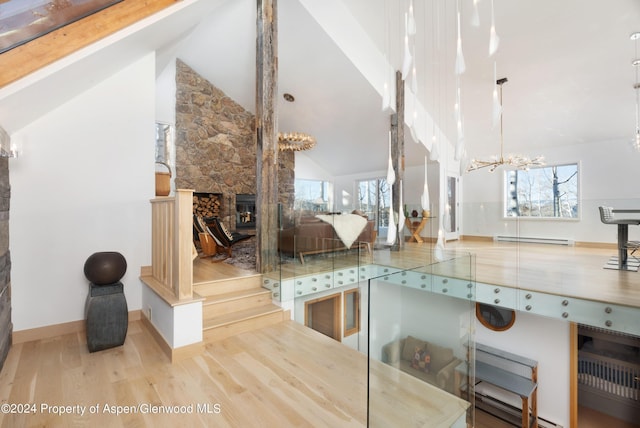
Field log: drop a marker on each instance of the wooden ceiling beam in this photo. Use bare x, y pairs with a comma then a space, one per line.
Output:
38, 53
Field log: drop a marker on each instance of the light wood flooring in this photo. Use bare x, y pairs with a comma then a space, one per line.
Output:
284, 375
575, 271
279, 376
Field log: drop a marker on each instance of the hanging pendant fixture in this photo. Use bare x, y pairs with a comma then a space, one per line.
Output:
494, 40
424, 199
515, 161
497, 106
460, 65
408, 58
391, 179
636, 65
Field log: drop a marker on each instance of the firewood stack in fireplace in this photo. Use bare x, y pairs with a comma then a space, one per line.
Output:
207, 205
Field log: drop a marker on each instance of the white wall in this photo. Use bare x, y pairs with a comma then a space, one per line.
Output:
82, 185
608, 175
308, 169
398, 311
545, 340
166, 94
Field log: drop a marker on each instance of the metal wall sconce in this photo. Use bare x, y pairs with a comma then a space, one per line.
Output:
7, 150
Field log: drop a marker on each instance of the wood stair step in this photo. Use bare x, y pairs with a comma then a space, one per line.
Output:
228, 285
221, 304
220, 327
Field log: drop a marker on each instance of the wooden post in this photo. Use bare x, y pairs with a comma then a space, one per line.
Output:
397, 153
183, 260
267, 136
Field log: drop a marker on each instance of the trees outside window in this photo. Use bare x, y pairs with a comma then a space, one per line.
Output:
548, 192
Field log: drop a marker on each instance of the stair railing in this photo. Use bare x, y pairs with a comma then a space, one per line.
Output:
172, 243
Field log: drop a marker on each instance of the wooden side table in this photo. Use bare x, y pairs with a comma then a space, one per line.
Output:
415, 227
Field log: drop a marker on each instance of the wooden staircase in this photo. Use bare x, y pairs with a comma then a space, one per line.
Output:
236, 305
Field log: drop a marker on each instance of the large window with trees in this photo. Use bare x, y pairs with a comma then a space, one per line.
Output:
544, 192
373, 200
313, 195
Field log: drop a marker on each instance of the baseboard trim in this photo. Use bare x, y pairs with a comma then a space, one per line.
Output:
174, 354
476, 238
584, 244
54, 330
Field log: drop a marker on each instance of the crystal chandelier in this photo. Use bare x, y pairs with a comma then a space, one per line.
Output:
514, 161
295, 141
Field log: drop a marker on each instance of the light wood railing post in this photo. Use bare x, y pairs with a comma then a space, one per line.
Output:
172, 243
183, 241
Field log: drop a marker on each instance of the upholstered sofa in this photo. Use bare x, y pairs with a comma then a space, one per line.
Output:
311, 235
440, 371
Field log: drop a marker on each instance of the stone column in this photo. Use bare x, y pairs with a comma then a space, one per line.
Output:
6, 326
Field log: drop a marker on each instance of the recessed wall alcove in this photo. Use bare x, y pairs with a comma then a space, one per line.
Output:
216, 145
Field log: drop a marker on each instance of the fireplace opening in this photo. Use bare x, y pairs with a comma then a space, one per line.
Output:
245, 211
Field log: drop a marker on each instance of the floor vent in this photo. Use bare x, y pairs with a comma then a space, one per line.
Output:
553, 241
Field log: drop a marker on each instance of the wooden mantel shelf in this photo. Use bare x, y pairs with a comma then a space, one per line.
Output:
38, 53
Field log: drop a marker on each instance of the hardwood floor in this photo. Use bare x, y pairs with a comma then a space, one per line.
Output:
282, 375
278, 376
575, 271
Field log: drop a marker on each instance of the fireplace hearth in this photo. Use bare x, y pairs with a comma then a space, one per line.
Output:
245, 211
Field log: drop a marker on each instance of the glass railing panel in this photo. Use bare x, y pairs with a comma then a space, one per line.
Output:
320, 273
565, 268
421, 344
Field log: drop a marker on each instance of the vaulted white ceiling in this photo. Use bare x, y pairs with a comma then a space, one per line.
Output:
568, 63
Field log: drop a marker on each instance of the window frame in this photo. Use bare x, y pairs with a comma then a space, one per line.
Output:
326, 194
356, 309
505, 196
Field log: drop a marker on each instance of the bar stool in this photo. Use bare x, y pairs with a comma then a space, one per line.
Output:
607, 217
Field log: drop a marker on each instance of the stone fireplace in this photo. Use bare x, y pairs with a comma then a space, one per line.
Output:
245, 211
216, 149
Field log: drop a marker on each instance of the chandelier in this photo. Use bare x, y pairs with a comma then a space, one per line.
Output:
515, 161
295, 141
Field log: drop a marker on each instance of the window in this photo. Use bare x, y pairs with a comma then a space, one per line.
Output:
494, 317
351, 312
22, 21
164, 141
312, 195
544, 192
373, 200
323, 315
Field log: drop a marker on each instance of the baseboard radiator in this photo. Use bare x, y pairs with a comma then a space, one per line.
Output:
502, 406
531, 240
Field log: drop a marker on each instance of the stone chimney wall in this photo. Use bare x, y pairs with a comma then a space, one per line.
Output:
6, 326
216, 145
